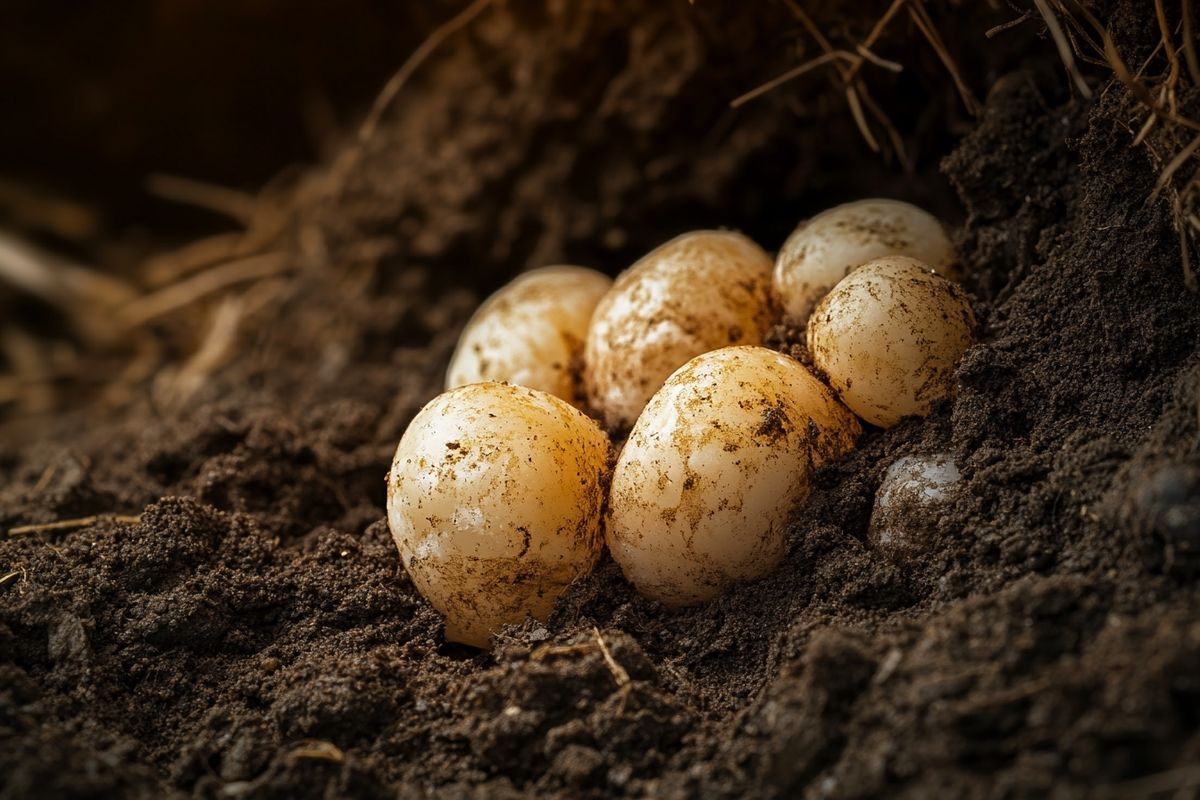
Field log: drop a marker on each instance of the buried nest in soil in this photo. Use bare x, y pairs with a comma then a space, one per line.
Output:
249, 631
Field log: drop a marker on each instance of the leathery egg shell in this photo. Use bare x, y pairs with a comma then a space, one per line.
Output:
531, 332
696, 293
723, 453
888, 338
494, 500
826, 248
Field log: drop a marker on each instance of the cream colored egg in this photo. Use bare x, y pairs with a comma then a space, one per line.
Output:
696, 293
824, 249
722, 455
888, 338
531, 332
494, 500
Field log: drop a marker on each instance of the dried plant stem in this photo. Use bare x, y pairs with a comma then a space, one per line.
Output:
72, 524
202, 285
618, 672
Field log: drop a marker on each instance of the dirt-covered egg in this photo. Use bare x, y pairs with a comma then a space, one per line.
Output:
722, 454
826, 248
494, 500
889, 336
531, 332
696, 293
913, 491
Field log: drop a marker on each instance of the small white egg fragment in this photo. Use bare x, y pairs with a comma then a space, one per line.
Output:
723, 453
826, 248
888, 338
531, 332
912, 491
494, 500
697, 292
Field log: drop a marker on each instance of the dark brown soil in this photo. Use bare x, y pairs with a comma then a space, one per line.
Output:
254, 635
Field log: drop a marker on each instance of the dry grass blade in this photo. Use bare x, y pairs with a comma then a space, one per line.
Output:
318, 751
876, 32
860, 119
1119, 68
810, 26
1164, 29
202, 285
618, 672
72, 524
791, 74
857, 94
31, 207
85, 296
886, 122
231, 203
558, 650
55, 280
218, 347
924, 22
1065, 52
397, 81
879, 61
1012, 23
177, 264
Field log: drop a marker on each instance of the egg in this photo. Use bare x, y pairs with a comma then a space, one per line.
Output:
696, 293
531, 332
913, 489
826, 248
722, 455
888, 338
495, 498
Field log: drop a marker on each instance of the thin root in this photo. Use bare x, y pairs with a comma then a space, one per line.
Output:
618, 672
1064, 47
1178, 161
924, 22
209, 282
397, 81
238, 206
558, 650
872, 37
72, 524
318, 751
792, 74
216, 350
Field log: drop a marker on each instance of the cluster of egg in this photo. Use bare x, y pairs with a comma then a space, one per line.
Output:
503, 490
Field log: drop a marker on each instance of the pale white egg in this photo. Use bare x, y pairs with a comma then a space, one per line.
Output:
889, 336
494, 499
696, 293
722, 455
531, 332
826, 248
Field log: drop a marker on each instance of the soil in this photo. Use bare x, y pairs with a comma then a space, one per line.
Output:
254, 635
